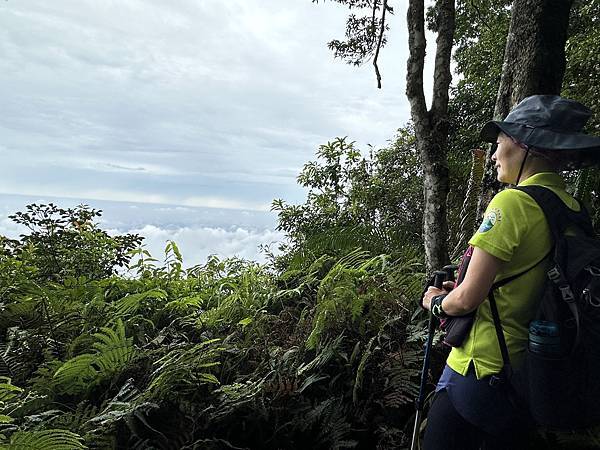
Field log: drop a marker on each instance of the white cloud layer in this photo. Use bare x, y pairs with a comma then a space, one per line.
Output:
199, 232
196, 244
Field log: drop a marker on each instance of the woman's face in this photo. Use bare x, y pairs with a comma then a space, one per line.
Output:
508, 158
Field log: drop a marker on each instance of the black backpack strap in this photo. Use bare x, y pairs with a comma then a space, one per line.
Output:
558, 215
506, 371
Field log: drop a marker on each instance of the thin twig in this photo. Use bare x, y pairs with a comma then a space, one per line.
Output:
379, 44
373, 26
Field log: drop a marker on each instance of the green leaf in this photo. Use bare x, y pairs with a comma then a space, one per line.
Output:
246, 321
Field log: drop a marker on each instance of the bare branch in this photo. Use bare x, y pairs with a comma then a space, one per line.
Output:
379, 43
373, 26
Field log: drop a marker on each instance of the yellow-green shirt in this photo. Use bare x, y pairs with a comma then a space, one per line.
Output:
514, 229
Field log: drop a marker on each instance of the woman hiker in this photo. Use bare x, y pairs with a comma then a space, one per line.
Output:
542, 135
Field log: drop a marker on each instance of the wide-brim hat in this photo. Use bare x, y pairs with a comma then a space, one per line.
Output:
550, 123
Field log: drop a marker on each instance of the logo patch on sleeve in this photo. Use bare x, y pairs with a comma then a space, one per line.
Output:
491, 218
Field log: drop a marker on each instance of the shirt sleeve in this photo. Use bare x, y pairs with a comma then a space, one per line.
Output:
505, 223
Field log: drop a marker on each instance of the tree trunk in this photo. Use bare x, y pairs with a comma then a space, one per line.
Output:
534, 63
431, 127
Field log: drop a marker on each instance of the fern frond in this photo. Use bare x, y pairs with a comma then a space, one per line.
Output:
586, 439
114, 349
76, 374
113, 352
8, 391
334, 430
358, 379
47, 440
75, 420
131, 304
24, 312
234, 396
184, 369
402, 372
185, 304
328, 352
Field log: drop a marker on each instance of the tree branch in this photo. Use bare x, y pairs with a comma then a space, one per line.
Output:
379, 43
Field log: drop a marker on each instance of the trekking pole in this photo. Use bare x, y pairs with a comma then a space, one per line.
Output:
438, 282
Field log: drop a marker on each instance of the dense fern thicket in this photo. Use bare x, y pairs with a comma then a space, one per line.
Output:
229, 354
226, 355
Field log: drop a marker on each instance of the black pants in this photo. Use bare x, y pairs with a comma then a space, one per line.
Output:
447, 430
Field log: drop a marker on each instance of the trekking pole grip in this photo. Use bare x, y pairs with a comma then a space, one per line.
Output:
449, 270
439, 278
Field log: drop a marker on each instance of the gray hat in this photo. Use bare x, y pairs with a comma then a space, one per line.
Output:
549, 122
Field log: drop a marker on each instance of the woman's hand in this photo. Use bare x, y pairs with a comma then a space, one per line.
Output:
432, 292
448, 285
473, 290
429, 294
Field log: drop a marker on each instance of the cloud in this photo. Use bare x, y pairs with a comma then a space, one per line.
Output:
196, 244
199, 232
220, 95
113, 195
215, 202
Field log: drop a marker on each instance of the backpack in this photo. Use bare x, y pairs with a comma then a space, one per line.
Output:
562, 391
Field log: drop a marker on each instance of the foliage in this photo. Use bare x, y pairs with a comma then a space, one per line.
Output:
112, 353
362, 32
582, 76
175, 357
68, 243
355, 201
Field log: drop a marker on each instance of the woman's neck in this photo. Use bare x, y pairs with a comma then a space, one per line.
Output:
536, 165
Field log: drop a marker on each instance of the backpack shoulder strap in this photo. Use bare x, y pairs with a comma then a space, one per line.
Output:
558, 215
506, 372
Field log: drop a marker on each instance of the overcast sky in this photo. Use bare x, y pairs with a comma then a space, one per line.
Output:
190, 103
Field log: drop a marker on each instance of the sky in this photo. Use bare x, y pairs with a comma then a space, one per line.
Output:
182, 120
